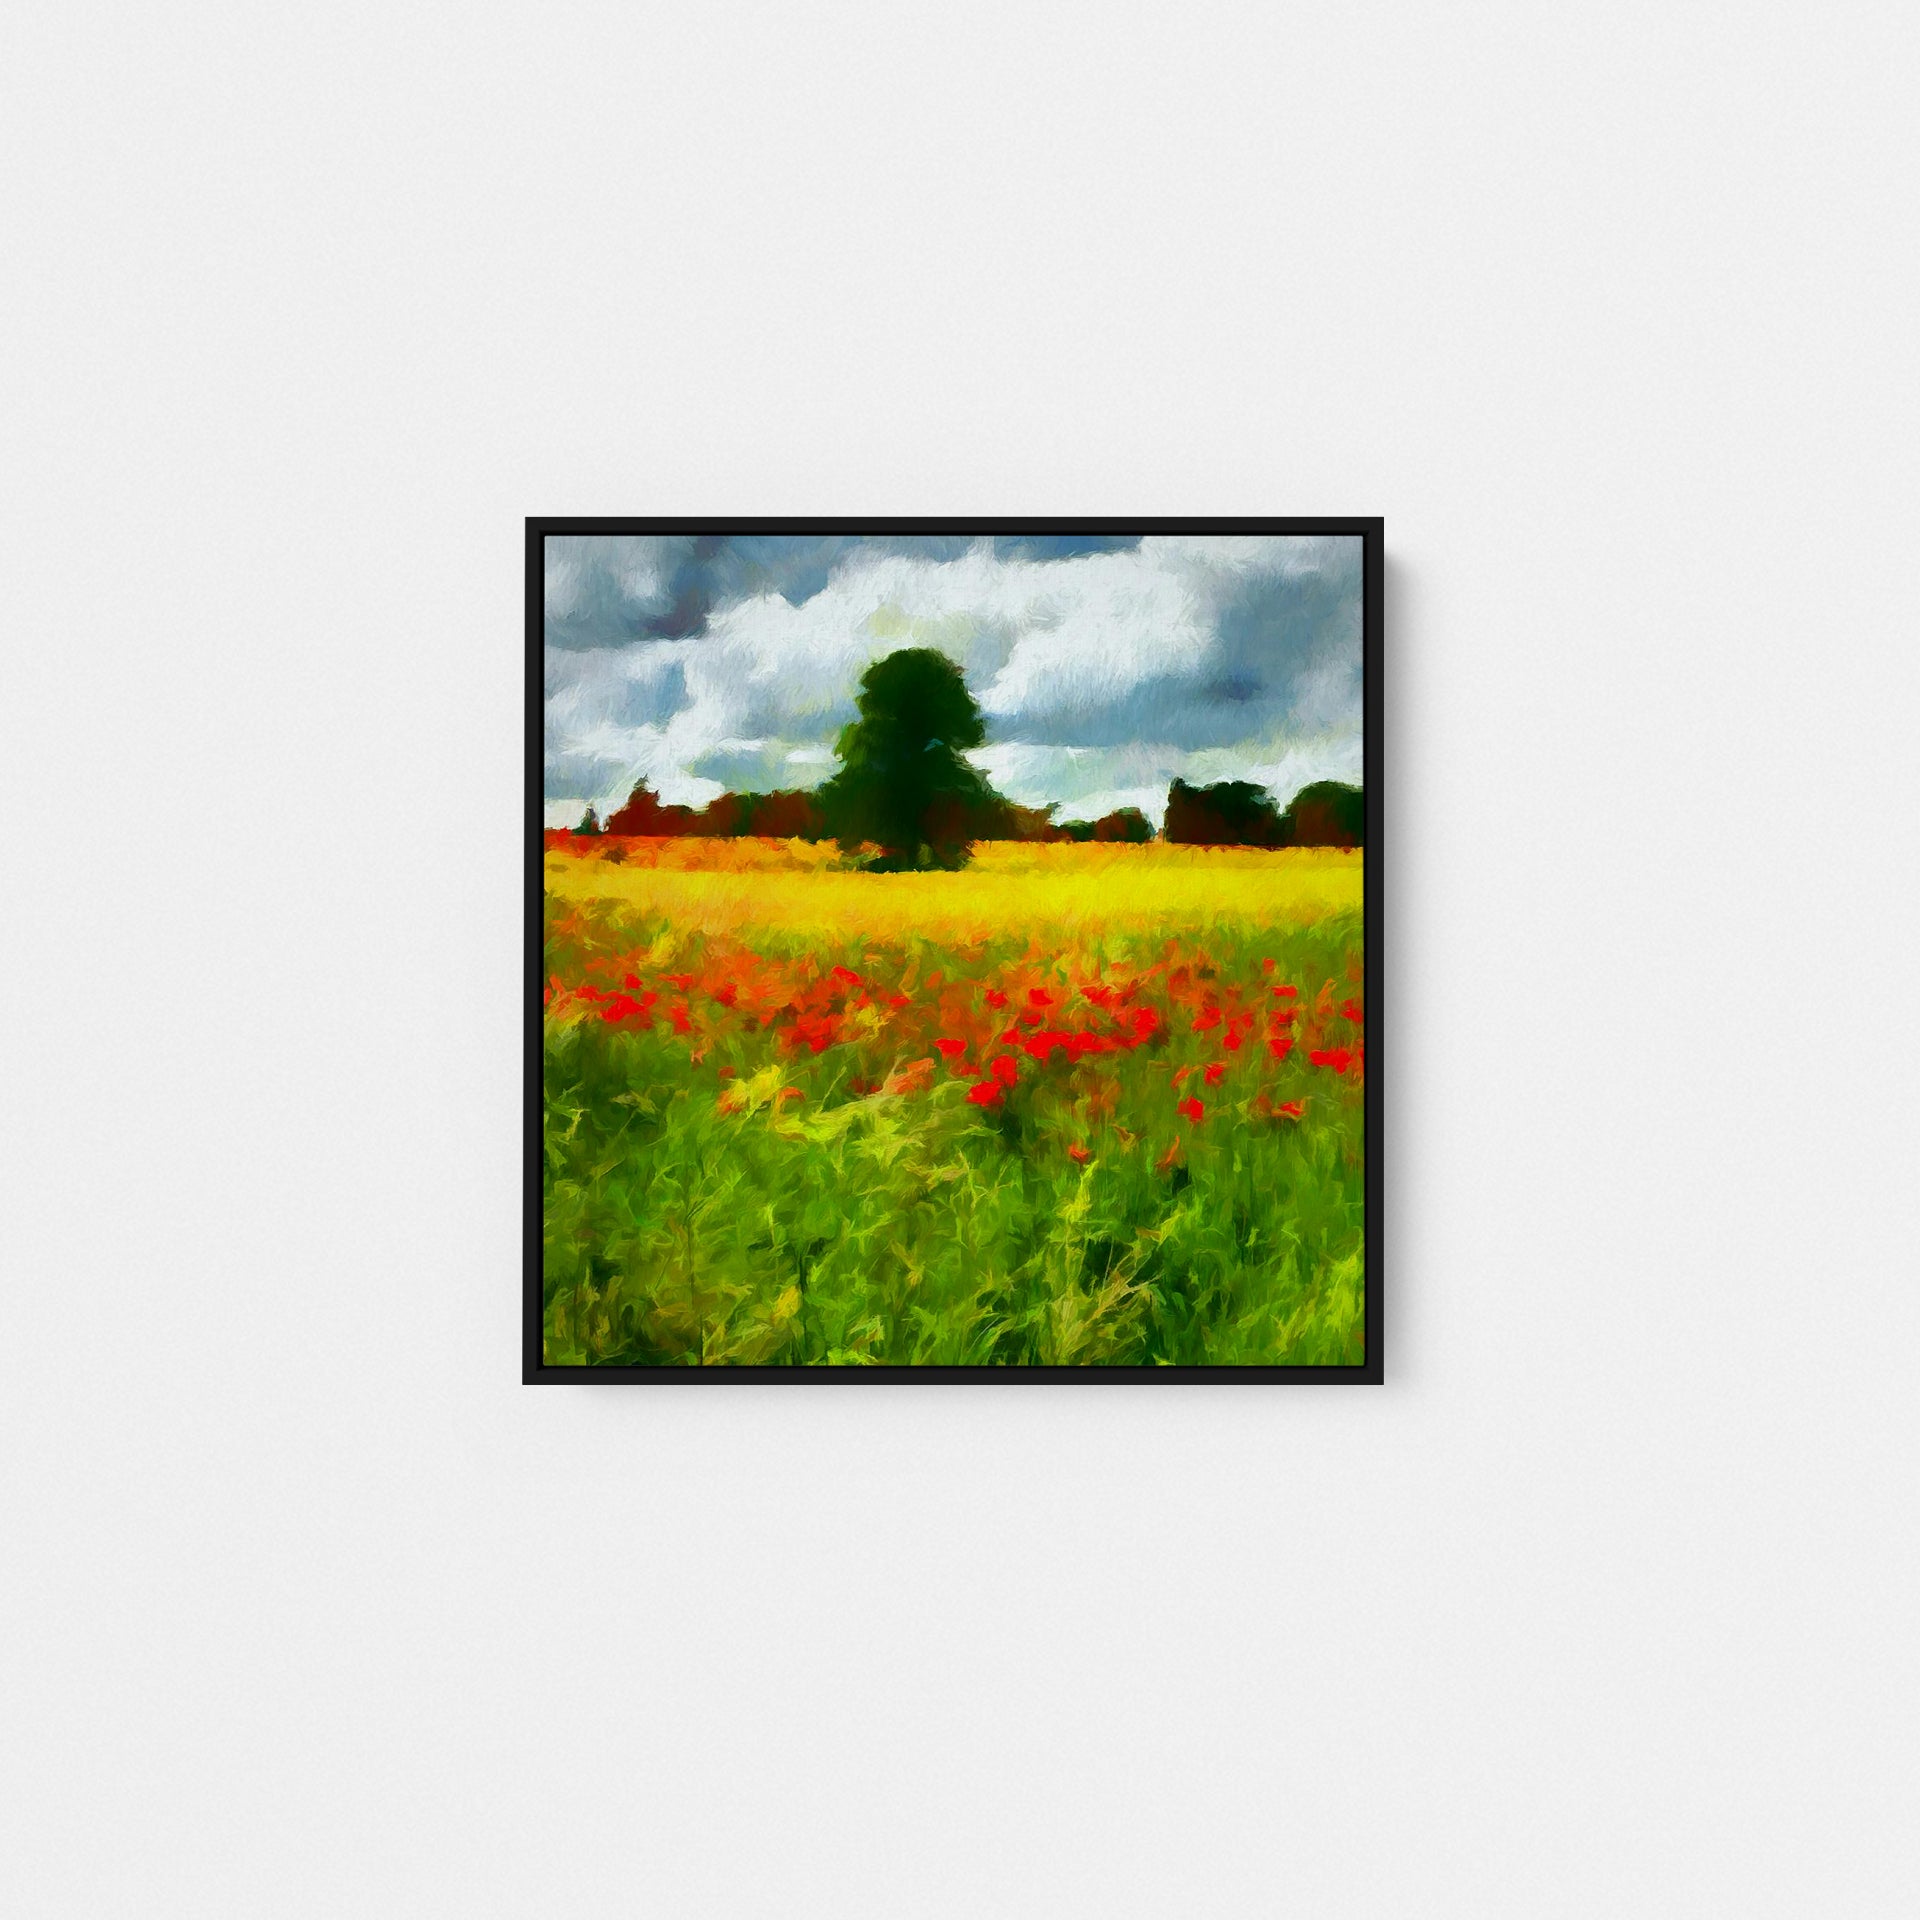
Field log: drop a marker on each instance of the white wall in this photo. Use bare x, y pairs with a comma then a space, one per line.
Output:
1603, 1606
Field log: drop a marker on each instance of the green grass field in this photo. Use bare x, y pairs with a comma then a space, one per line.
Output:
1074, 1105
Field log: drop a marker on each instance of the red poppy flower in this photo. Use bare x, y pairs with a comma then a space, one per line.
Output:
630, 980
1206, 1019
1006, 1069
1039, 997
984, 1093
1280, 1045
678, 1014
995, 998
1192, 1109
1286, 993
847, 974
1078, 1153
951, 1049
1266, 966
898, 1000
1350, 1010
1338, 1058
1293, 1109
1215, 1074
682, 981
817, 1031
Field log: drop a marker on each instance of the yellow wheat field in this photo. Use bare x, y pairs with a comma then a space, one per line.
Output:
1061, 890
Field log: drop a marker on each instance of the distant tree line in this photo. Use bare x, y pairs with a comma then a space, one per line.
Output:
1231, 813
785, 815
795, 815
1236, 813
905, 787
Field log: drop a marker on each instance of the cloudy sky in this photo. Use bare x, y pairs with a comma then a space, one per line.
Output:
1104, 665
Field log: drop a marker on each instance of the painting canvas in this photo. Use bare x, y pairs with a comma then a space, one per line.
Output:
952, 950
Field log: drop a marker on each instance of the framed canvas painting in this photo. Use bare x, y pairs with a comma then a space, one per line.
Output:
953, 950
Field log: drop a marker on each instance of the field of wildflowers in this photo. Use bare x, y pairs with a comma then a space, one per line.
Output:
1071, 1105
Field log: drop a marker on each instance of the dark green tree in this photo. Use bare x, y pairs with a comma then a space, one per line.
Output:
1328, 814
1230, 813
903, 784
1128, 825
591, 824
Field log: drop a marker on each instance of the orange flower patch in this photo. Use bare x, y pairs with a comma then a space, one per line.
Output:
915, 1077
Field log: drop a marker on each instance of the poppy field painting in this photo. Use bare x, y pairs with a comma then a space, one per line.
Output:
950, 950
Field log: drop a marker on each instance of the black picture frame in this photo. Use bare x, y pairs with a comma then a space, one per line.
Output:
1371, 530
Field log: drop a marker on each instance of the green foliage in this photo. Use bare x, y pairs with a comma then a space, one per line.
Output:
1126, 825
1236, 813
1230, 813
903, 784
1327, 814
785, 814
590, 825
